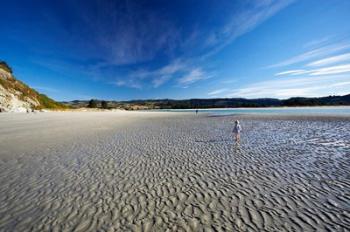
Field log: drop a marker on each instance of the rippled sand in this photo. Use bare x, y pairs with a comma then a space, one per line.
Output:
173, 172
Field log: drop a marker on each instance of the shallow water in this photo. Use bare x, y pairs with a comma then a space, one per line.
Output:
184, 174
336, 110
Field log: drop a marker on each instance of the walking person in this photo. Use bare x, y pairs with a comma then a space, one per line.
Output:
237, 131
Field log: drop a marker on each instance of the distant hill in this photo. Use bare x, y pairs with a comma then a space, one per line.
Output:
15, 96
216, 103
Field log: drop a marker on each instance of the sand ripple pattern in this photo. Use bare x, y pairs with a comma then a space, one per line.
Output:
185, 174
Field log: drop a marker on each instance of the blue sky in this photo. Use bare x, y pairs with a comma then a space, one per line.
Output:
124, 50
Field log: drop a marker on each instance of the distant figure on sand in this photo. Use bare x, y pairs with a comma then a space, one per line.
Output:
196, 111
237, 131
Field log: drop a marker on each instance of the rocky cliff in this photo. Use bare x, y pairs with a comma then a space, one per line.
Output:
15, 96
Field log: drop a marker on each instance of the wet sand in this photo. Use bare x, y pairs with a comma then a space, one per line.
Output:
136, 171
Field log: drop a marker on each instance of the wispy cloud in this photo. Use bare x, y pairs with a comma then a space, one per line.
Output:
141, 78
316, 53
292, 72
303, 86
130, 83
338, 69
169, 69
249, 16
126, 32
218, 91
184, 73
159, 76
193, 76
331, 70
318, 42
316, 67
330, 60
160, 80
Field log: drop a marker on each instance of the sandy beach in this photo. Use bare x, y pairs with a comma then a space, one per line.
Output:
157, 171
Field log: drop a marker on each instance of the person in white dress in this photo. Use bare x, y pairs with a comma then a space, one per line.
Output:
237, 131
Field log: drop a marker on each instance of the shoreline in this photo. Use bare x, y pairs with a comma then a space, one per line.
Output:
286, 117
272, 107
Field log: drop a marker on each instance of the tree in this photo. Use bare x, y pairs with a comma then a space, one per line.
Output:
92, 103
104, 105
